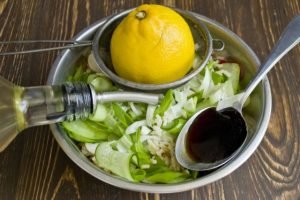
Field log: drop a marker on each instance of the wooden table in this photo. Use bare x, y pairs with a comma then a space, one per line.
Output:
34, 166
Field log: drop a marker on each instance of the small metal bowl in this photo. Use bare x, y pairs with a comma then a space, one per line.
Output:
101, 52
257, 113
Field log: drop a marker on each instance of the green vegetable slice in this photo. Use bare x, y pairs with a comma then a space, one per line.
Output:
218, 78
115, 161
81, 74
84, 131
175, 126
78, 74
167, 177
101, 84
121, 115
80, 138
91, 77
204, 103
141, 152
224, 91
124, 144
100, 113
190, 105
234, 70
160, 173
165, 103
137, 174
113, 125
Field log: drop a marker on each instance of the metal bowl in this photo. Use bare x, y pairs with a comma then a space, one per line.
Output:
257, 113
101, 51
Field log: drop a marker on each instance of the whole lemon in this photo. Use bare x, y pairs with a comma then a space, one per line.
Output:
152, 44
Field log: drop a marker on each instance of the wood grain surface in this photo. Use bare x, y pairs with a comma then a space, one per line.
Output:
34, 166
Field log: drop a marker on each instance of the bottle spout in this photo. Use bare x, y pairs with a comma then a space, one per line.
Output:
128, 97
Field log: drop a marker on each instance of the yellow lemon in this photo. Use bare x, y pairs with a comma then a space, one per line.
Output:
152, 44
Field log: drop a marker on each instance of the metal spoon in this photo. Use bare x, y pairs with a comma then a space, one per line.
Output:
229, 113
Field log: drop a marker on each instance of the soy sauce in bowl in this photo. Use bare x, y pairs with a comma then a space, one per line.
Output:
215, 135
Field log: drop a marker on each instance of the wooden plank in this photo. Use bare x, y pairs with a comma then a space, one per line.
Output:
34, 166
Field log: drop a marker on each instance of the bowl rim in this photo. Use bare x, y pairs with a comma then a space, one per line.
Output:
90, 168
143, 86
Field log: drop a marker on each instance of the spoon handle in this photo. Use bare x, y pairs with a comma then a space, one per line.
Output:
288, 39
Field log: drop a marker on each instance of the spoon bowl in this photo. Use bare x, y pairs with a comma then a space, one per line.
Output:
205, 132
220, 136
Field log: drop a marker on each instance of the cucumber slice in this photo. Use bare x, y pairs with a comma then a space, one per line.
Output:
102, 84
91, 77
100, 113
83, 132
114, 161
91, 147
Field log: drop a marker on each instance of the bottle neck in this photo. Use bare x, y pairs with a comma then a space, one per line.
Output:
79, 101
51, 104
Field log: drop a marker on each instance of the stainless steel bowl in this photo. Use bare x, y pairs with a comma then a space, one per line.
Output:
257, 113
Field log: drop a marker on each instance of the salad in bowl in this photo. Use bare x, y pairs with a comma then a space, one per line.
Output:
132, 145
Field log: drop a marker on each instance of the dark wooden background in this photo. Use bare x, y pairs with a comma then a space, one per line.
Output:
34, 166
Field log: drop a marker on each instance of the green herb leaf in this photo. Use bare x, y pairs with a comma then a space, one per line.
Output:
165, 103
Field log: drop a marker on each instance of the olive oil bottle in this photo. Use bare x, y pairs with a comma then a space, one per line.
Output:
23, 107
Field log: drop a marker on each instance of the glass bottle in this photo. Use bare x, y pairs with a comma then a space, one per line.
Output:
24, 107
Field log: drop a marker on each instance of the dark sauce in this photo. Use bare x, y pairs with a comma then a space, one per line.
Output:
215, 135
